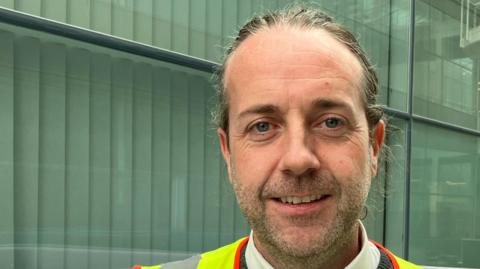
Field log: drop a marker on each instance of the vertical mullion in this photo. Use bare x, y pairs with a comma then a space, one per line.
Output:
387, 140
411, 59
6, 148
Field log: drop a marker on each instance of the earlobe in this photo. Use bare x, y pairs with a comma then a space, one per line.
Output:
223, 139
377, 143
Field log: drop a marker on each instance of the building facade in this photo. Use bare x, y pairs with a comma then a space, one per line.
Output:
108, 157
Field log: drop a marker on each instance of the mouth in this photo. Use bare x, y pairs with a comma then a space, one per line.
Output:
301, 205
297, 200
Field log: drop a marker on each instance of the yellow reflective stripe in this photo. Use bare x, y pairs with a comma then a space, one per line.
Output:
403, 264
151, 267
222, 258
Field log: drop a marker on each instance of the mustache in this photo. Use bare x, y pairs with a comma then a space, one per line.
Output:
324, 184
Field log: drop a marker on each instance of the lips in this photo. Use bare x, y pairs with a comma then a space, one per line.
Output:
294, 200
300, 205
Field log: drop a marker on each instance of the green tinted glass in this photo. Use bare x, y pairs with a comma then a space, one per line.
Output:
446, 70
444, 226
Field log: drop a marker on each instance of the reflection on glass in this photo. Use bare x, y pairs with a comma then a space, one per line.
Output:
446, 69
445, 204
398, 55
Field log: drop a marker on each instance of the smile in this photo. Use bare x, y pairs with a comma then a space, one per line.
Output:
294, 200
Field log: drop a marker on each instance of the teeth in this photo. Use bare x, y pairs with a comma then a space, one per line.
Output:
298, 200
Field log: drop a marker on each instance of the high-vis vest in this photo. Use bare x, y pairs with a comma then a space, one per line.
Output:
230, 257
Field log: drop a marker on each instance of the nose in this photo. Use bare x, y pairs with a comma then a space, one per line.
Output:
299, 157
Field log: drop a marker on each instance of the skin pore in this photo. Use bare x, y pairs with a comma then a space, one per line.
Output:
298, 150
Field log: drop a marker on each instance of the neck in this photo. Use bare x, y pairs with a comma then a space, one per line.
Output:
336, 257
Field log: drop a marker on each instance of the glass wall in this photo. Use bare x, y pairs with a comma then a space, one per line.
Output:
445, 197
445, 181
108, 158
446, 74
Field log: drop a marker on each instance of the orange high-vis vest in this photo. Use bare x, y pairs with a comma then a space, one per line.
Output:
228, 257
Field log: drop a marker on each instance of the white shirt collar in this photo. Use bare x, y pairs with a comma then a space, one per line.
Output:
367, 258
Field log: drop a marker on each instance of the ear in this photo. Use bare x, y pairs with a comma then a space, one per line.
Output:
377, 143
223, 139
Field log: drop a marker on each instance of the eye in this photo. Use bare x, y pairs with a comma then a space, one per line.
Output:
332, 126
261, 130
332, 123
262, 127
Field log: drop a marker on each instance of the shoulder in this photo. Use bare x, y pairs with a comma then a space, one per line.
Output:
397, 261
190, 263
220, 258
224, 257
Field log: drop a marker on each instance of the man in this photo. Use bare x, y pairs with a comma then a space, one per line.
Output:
301, 135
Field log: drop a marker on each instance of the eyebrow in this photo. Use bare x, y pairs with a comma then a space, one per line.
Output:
318, 104
259, 109
325, 103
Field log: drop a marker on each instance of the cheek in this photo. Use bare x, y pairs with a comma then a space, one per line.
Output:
347, 162
254, 165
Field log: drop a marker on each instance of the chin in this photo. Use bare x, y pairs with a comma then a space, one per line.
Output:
302, 241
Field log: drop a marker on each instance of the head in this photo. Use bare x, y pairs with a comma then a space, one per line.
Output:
300, 133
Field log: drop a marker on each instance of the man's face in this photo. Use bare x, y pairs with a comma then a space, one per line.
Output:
298, 151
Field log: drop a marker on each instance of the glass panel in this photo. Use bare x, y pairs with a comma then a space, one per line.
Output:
445, 204
107, 159
398, 53
446, 70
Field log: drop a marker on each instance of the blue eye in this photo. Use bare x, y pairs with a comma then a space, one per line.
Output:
262, 127
332, 123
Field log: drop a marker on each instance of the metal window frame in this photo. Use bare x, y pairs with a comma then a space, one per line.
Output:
25, 20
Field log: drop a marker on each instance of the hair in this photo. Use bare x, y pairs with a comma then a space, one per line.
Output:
303, 17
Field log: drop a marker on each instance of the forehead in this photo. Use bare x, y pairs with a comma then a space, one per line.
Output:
293, 53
